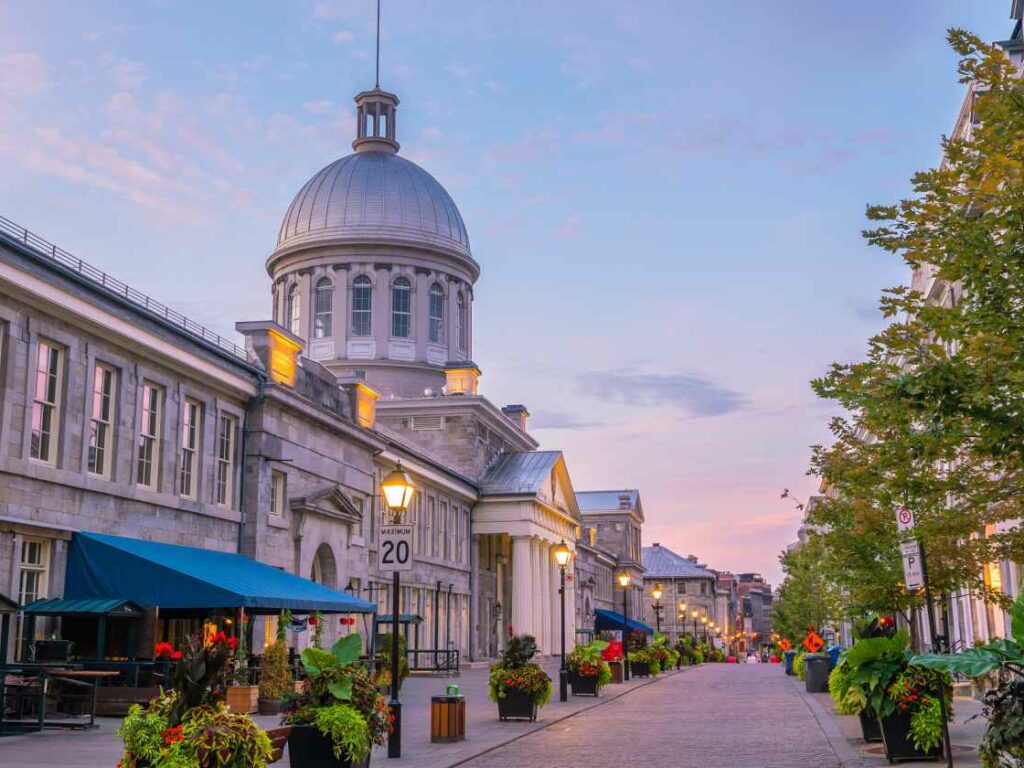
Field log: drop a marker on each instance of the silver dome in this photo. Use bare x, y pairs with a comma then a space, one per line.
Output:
374, 197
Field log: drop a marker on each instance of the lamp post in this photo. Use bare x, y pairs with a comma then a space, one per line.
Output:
656, 593
704, 621
397, 490
693, 614
681, 616
623, 579
562, 554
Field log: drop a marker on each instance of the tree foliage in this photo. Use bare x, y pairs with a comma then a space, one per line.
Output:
934, 415
807, 596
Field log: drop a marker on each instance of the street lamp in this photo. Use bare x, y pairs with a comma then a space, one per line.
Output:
656, 593
623, 579
704, 621
694, 613
562, 554
397, 490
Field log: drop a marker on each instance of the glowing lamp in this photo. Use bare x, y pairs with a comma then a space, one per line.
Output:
562, 554
657, 592
623, 579
397, 489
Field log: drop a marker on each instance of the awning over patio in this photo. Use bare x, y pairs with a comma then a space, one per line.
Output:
605, 619
55, 606
403, 618
170, 576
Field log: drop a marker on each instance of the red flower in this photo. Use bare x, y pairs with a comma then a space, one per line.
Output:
312, 621
233, 643
175, 655
173, 735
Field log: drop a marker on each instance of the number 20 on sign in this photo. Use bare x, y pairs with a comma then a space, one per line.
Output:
395, 553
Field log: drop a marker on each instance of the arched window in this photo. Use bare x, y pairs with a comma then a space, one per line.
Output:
322, 306
401, 301
463, 324
292, 309
362, 306
436, 314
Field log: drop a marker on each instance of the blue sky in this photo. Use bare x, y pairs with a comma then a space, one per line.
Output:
665, 197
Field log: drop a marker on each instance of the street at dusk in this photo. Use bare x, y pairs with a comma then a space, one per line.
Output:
463, 383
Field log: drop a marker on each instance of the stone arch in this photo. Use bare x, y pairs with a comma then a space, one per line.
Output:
324, 569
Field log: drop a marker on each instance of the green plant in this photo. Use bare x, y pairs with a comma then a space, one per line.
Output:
586, 661
799, 667
200, 677
316, 622
346, 729
926, 726
516, 672
275, 676
874, 663
698, 657
240, 671
384, 657
839, 686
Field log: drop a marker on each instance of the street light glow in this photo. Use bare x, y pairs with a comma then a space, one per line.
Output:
623, 579
562, 553
397, 489
657, 592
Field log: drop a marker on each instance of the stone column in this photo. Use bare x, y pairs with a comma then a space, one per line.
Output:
522, 585
570, 615
548, 629
555, 612
538, 594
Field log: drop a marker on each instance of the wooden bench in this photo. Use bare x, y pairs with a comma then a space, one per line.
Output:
278, 738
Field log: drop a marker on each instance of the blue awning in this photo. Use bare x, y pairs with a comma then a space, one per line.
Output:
55, 606
605, 619
403, 618
149, 573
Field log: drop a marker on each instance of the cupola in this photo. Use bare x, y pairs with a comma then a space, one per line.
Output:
375, 121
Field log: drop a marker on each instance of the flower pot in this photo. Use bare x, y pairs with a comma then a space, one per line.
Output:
243, 698
583, 685
308, 748
639, 669
269, 706
898, 744
516, 705
869, 727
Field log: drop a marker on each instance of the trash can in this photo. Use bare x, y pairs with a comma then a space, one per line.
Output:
789, 656
817, 667
833, 656
447, 719
616, 668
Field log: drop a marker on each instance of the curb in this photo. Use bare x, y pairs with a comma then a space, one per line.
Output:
548, 723
847, 756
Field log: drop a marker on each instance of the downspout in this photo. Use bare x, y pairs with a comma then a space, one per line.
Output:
254, 402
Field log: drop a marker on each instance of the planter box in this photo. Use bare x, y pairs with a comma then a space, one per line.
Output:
308, 748
583, 686
243, 698
270, 706
52, 650
639, 669
898, 745
869, 727
516, 706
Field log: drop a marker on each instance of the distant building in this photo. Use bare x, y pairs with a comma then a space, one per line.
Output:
687, 587
612, 522
755, 596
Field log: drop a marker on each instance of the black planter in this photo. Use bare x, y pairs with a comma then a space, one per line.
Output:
270, 706
308, 748
898, 744
516, 706
583, 686
639, 669
52, 650
869, 727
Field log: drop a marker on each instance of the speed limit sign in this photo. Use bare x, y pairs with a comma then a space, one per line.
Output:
395, 552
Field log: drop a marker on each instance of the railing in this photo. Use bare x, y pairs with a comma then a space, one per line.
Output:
47, 250
433, 659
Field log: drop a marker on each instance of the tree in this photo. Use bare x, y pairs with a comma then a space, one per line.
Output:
807, 597
935, 413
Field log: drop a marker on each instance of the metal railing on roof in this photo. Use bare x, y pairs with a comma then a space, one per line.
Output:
112, 285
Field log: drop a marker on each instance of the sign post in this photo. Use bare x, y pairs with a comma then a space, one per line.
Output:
915, 576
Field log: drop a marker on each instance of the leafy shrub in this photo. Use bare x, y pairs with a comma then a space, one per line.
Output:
586, 661
275, 676
515, 672
347, 730
799, 667
384, 657
840, 688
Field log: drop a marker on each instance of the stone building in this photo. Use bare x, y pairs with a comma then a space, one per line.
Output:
121, 416
687, 587
755, 595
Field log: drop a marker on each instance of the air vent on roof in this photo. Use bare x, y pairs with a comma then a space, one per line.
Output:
424, 423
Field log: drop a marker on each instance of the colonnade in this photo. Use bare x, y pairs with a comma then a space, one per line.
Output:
536, 609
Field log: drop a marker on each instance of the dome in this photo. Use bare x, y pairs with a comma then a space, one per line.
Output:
374, 196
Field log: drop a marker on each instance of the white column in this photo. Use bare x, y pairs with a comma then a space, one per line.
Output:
555, 575
522, 586
538, 594
548, 629
570, 614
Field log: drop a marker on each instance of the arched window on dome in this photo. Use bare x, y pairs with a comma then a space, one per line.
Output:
292, 309
462, 320
323, 301
436, 314
362, 306
401, 307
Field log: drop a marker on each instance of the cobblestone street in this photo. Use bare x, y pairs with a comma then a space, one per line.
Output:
717, 716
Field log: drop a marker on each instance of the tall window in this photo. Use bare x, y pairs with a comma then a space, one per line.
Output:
225, 460
436, 314
34, 570
401, 304
277, 493
322, 308
292, 309
100, 417
148, 468
463, 324
362, 306
46, 402
187, 475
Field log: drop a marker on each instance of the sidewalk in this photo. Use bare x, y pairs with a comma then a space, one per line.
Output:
843, 731
101, 747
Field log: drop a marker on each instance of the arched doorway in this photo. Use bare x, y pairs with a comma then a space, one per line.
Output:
324, 569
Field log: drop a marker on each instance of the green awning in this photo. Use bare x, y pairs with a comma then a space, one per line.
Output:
403, 618
56, 606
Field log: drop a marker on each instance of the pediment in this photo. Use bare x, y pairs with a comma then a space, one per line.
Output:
329, 502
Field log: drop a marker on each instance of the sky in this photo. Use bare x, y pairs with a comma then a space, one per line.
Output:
665, 198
